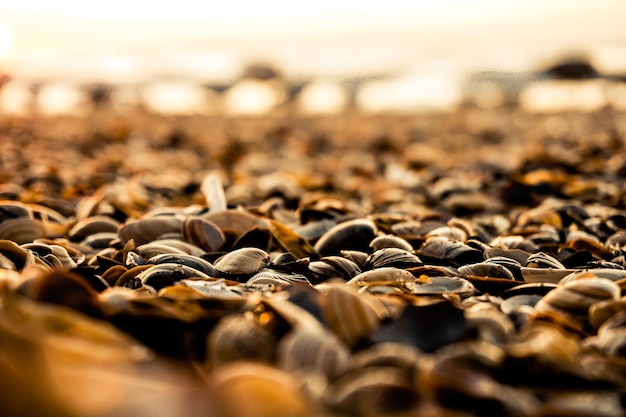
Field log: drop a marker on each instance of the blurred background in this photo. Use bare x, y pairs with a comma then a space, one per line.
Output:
248, 57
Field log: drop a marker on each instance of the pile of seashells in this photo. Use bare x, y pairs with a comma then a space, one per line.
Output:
410, 283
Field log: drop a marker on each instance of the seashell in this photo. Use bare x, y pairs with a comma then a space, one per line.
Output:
385, 276
358, 257
450, 252
602, 311
396, 355
441, 285
486, 269
415, 327
450, 232
6, 263
112, 274
218, 291
390, 241
520, 308
286, 262
408, 230
99, 240
65, 289
551, 346
434, 271
518, 255
541, 215
235, 222
163, 275
183, 259
511, 264
129, 278
533, 288
611, 338
330, 267
489, 324
22, 230
152, 249
608, 273
514, 302
239, 337
276, 278
350, 235
134, 259
202, 233
213, 191
253, 389
13, 209
180, 245
598, 403
244, 261
543, 260
381, 390
352, 317
312, 231
454, 384
573, 299
316, 350
392, 257
257, 237
476, 353
514, 242
616, 222
547, 275
617, 239
295, 244
149, 229
89, 226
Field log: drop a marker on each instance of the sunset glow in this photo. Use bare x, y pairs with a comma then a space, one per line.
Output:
6, 40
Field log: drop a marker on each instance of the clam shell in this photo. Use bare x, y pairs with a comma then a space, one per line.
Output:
13, 209
390, 241
385, 276
380, 390
163, 275
573, 299
276, 278
22, 230
202, 233
89, 226
236, 222
244, 261
442, 250
486, 269
351, 316
152, 249
332, 266
548, 275
254, 389
149, 229
350, 235
392, 257
358, 257
295, 244
183, 259
442, 285
543, 260
415, 326
315, 350
239, 337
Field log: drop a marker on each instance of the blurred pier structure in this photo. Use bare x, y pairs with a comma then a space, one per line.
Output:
573, 84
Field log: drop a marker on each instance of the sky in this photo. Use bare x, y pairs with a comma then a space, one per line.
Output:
324, 35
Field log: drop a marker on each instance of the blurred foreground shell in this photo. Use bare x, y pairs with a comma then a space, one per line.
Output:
249, 389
